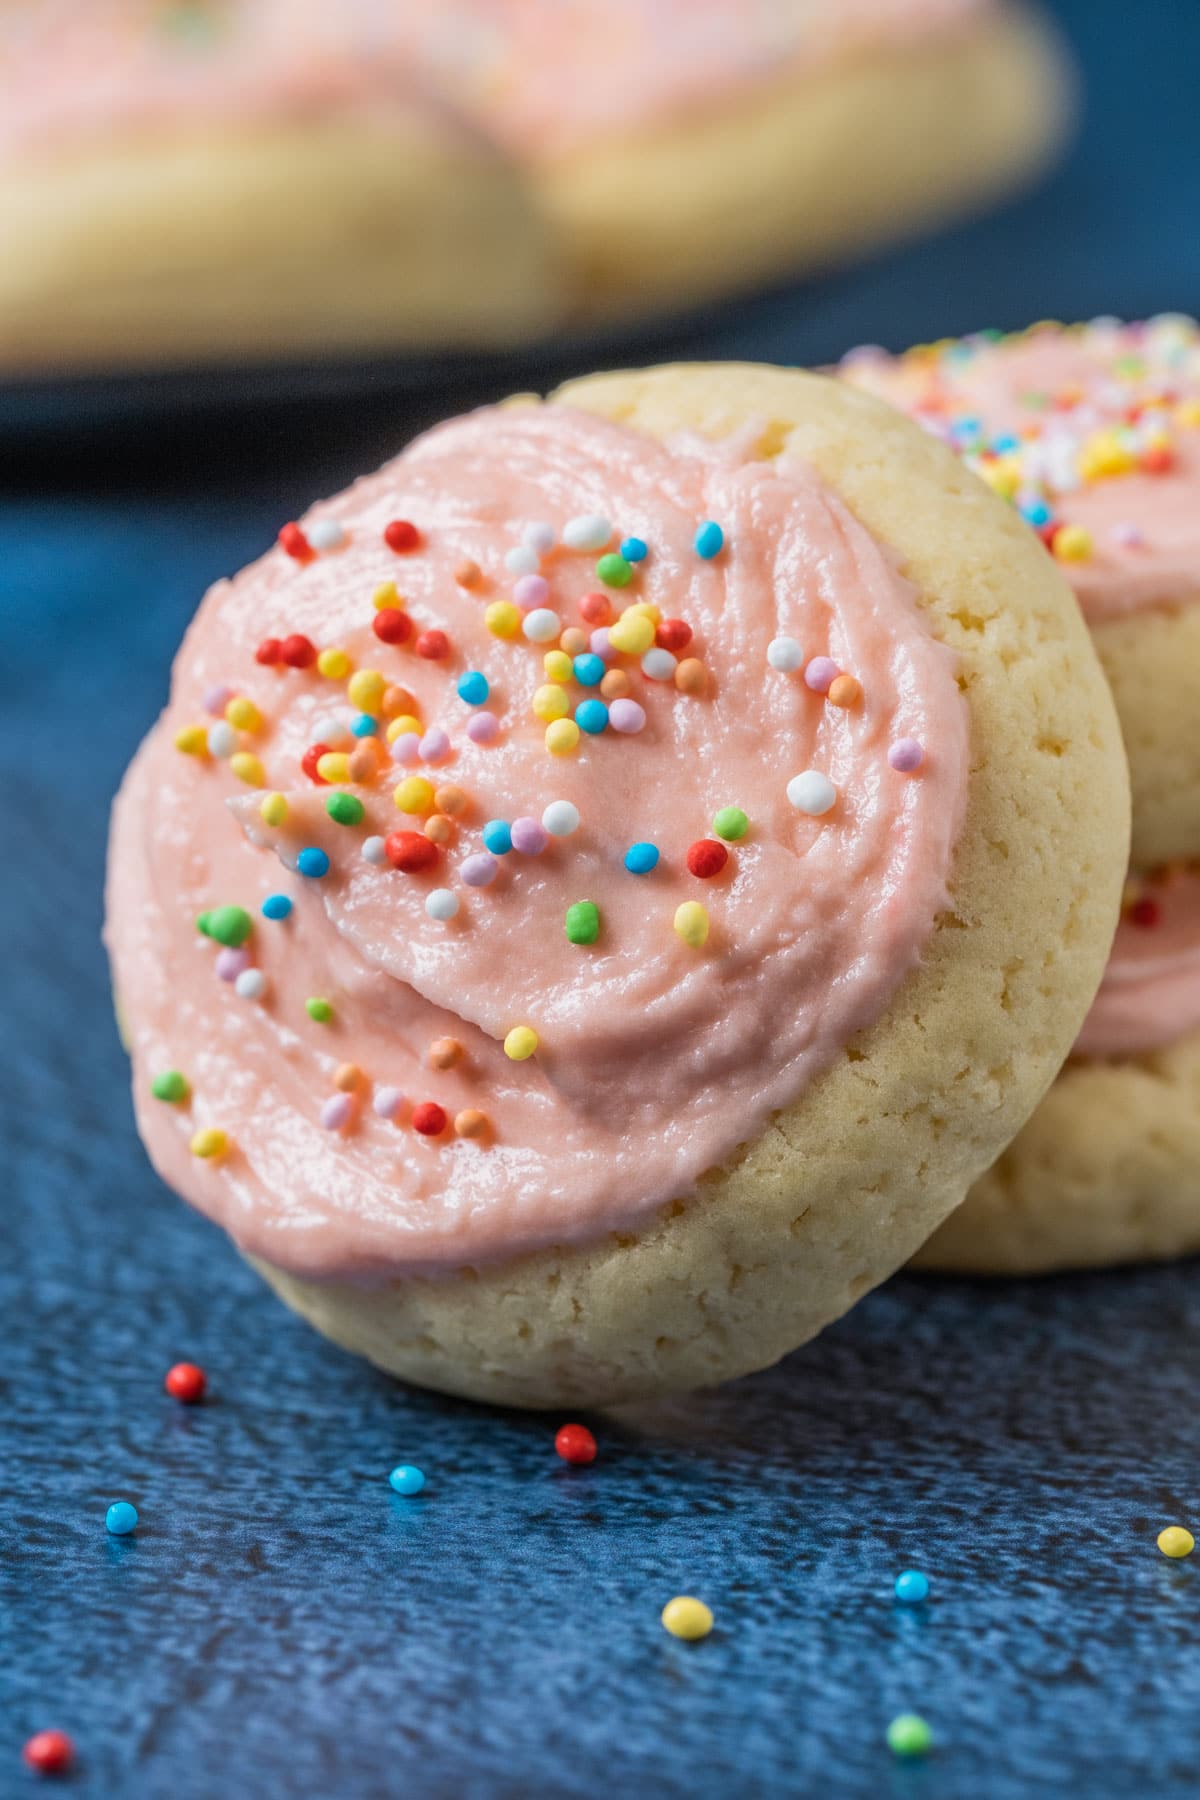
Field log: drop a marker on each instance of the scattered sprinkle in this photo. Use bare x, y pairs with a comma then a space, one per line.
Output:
313, 862
479, 871
785, 654
433, 645
470, 1123
706, 858
186, 1382
562, 737
909, 1735
906, 756
337, 1112
687, 1618
582, 924
473, 687
845, 691
614, 571
121, 1518
730, 823
387, 1102
319, 1011
820, 674
1176, 1541
429, 1119
251, 984
410, 851
592, 716
392, 625
401, 535
277, 906
641, 858
375, 851
170, 1086
209, 1144
49, 1752
812, 793
633, 549
326, 534
691, 677
658, 665
709, 540
627, 717
575, 1444
520, 1043
691, 923
632, 634
590, 531
345, 809
445, 1053
911, 1587
406, 1480
497, 837
561, 818
529, 836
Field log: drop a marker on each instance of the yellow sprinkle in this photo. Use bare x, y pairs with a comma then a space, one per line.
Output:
248, 768
274, 810
687, 1618
335, 665
243, 715
503, 619
1176, 1541
406, 722
366, 690
386, 595
1104, 455
1004, 475
632, 634
1072, 543
551, 702
643, 609
1187, 414
192, 740
562, 737
691, 923
521, 1043
414, 795
209, 1143
334, 766
558, 665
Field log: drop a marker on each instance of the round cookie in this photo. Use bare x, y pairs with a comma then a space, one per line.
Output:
1094, 432
891, 899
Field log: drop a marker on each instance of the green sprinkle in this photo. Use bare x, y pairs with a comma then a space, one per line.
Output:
344, 809
909, 1735
229, 925
170, 1085
614, 571
583, 922
320, 1011
731, 823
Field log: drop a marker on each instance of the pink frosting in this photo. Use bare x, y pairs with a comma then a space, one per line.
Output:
1058, 392
1150, 995
540, 76
657, 1059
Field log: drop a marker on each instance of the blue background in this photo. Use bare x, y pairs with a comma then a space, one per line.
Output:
282, 1624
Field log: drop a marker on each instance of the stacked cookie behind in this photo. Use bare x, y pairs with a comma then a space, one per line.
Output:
1093, 434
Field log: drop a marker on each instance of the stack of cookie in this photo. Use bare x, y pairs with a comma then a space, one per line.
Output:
1093, 434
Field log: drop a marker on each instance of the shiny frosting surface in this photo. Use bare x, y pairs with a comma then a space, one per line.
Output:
1093, 431
1150, 995
657, 1055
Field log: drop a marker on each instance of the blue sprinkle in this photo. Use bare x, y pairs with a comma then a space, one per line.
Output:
276, 906
473, 687
710, 540
497, 836
121, 1518
1036, 512
641, 858
406, 1479
633, 549
313, 862
589, 669
365, 726
591, 716
1005, 443
911, 1586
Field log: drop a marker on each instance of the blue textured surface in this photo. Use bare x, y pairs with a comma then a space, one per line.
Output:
282, 1623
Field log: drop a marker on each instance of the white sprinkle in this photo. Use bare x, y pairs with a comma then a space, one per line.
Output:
326, 534
560, 818
521, 561
658, 665
811, 793
590, 531
541, 625
539, 538
334, 730
251, 984
442, 904
785, 654
388, 1101
222, 739
374, 852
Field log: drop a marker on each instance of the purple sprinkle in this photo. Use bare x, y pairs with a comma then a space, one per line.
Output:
231, 962
388, 1101
406, 748
1130, 537
337, 1111
484, 728
906, 755
599, 645
480, 871
434, 745
531, 591
820, 674
626, 716
529, 836
216, 699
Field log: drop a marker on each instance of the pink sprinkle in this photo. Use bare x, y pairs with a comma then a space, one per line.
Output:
337, 1112
484, 728
231, 962
599, 645
626, 716
434, 745
388, 1101
531, 591
216, 699
905, 755
820, 674
480, 871
1130, 537
406, 748
529, 836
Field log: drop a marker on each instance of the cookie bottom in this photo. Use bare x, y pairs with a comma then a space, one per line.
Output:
1107, 1171
1152, 660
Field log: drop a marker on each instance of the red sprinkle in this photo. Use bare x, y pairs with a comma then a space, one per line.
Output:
269, 652
596, 609
297, 651
1145, 913
673, 635
186, 1382
575, 1444
309, 761
293, 540
392, 625
1157, 459
410, 851
706, 858
49, 1752
401, 535
432, 644
429, 1118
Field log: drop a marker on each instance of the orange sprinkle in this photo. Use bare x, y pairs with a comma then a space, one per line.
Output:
347, 1077
691, 676
616, 685
467, 573
439, 829
397, 700
574, 641
444, 1053
364, 761
845, 690
470, 1124
451, 800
